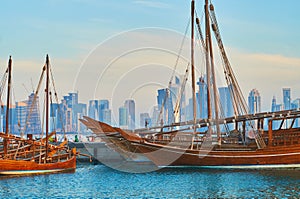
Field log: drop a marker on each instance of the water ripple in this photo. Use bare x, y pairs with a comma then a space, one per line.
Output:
98, 181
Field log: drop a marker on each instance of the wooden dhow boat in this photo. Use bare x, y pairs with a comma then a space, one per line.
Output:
27, 156
242, 141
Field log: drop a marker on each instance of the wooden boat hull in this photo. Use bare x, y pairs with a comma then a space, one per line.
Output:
273, 157
23, 167
239, 156
114, 139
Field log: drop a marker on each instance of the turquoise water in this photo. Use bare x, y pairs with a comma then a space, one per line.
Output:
99, 181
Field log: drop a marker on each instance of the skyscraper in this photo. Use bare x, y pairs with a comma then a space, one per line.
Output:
106, 116
275, 107
65, 115
286, 98
155, 114
21, 109
56, 117
173, 99
226, 102
103, 109
123, 117
12, 120
145, 120
254, 101
93, 109
68, 120
70, 112
201, 98
130, 105
33, 115
162, 106
165, 105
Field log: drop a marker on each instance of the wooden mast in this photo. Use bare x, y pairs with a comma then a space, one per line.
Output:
208, 81
192, 59
193, 68
214, 84
47, 104
7, 104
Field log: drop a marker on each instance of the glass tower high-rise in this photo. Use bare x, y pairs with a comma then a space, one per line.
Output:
93, 109
123, 117
145, 120
104, 111
286, 98
201, 96
130, 105
33, 115
254, 101
226, 102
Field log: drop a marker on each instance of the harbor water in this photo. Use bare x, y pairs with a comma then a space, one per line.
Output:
99, 181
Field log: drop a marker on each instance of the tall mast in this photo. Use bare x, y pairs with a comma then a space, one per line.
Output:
212, 65
193, 68
7, 104
208, 81
47, 103
192, 60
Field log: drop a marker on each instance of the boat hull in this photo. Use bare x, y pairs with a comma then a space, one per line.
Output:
22, 167
277, 155
273, 157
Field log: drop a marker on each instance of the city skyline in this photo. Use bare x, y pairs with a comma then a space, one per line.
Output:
64, 115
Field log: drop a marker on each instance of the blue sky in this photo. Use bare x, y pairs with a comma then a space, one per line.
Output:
260, 37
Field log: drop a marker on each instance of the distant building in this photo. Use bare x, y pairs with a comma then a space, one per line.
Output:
106, 116
165, 105
104, 111
130, 106
12, 120
162, 105
155, 114
21, 110
189, 109
79, 110
68, 120
226, 102
254, 101
123, 117
286, 98
69, 113
93, 109
296, 105
1, 122
201, 97
145, 120
276, 107
64, 117
174, 95
33, 115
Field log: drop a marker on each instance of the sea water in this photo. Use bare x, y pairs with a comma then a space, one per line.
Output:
99, 181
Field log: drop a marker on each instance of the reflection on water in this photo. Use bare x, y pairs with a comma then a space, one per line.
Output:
98, 181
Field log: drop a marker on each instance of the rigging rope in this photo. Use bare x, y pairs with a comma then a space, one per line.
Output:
181, 91
56, 98
173, 74
2, 85
240, 105
34, 99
